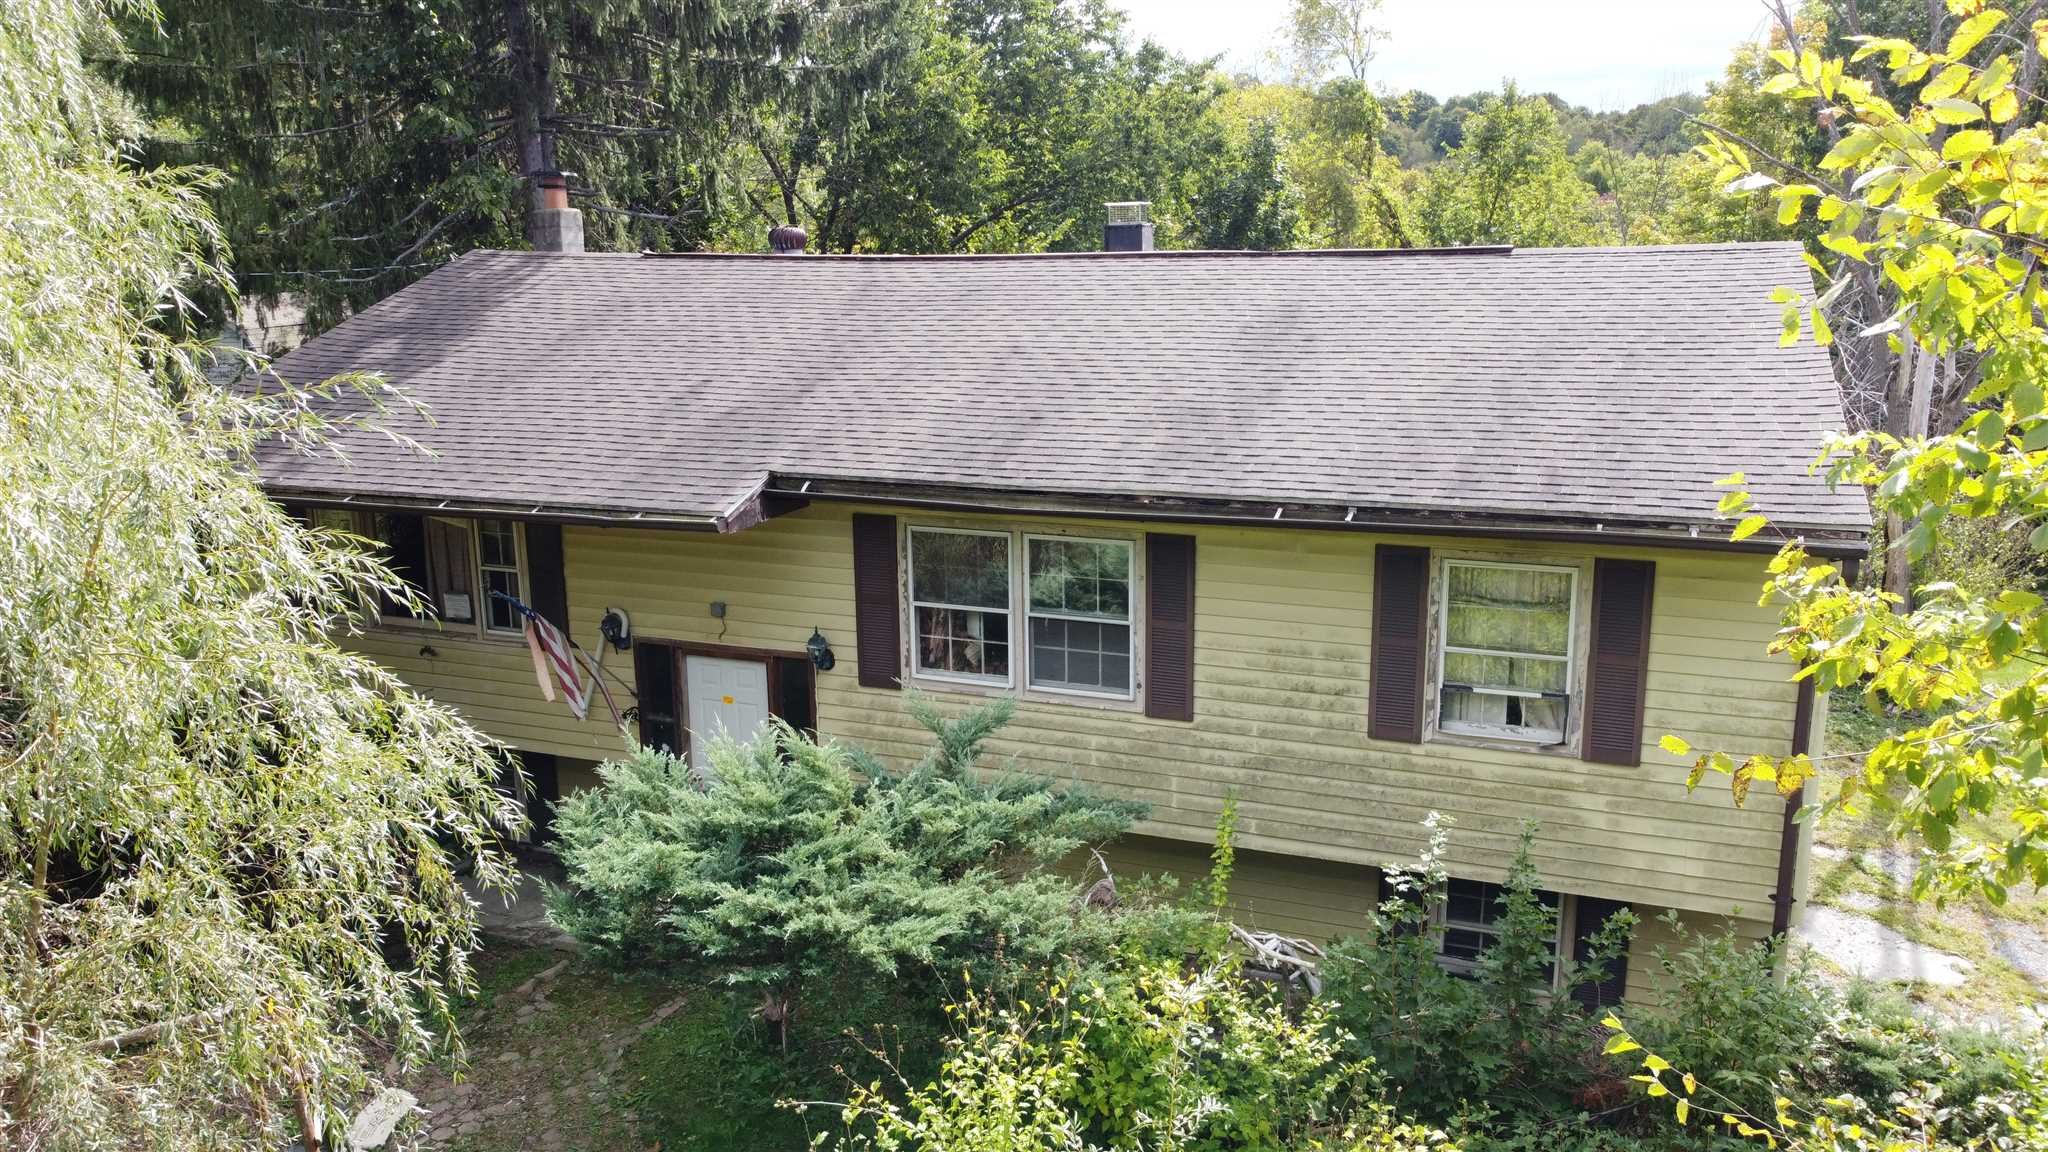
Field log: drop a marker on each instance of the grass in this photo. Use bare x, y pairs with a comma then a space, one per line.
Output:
714, 1079
592, 1059
1869, 873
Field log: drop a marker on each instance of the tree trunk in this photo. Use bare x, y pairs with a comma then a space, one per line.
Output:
533, 98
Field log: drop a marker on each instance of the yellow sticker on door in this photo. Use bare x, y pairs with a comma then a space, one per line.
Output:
728, 699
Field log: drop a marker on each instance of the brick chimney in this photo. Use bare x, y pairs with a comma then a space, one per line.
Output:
553, 226
1129, 226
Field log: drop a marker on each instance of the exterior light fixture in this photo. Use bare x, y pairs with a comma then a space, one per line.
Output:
820, 650
616, 629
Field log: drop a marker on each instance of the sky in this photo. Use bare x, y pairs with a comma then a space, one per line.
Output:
1603, 54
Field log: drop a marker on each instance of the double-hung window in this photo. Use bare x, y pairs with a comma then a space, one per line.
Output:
498, 551
1505, 650
1080, 615
1469, 924
975, 594
960, 604
454, 565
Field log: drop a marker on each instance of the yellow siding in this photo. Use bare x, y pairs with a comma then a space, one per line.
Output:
1282, 632
1325, 901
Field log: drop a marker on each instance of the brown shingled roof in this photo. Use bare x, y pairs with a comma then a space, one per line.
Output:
1585, 386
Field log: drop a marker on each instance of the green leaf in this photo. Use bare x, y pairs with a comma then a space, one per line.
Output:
1851, 148
1750, 526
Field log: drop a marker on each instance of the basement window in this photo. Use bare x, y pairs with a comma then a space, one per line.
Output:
1468, 923
1505, 650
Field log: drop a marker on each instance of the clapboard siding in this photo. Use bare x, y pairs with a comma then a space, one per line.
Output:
1283, 627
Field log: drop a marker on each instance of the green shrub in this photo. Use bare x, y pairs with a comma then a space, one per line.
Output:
1731, 1017
1154, 1058
776, 861
1445, 1043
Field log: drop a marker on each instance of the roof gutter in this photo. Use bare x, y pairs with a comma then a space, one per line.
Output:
514, 510
1834, 543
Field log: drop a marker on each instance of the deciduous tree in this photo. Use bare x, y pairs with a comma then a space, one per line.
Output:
1944, 195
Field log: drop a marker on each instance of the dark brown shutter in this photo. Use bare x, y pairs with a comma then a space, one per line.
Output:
549, 594
1400, 616
1620, 665
877, 598
1606, 989
1169, 626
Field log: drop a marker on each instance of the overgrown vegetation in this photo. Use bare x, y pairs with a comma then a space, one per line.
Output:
227, 846
778, 861
1136, 1026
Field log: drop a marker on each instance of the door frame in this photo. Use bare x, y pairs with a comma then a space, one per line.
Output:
774, 661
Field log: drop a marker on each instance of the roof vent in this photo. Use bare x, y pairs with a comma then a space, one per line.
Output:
1129, 227
787, 240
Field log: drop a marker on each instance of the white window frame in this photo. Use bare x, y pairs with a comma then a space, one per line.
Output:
1441, 923
1009, 608
1129, 622
519, 572
1569, 659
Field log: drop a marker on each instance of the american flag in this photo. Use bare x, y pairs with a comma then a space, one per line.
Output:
554, 661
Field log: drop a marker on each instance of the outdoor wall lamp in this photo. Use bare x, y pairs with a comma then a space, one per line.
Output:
820, 650
616, 629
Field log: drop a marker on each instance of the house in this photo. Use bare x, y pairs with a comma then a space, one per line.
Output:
1351, 536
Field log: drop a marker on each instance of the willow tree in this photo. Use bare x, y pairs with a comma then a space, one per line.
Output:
227, 847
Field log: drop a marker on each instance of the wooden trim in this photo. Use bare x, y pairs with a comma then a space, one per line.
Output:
724, 651
768, 658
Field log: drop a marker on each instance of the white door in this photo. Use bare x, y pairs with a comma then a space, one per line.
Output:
727, 695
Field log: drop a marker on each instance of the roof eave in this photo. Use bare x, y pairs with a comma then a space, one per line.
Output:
1829, 541
509, 509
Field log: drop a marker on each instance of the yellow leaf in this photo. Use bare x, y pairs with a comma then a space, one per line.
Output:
1731, 478
2005, 105
1691, 1085
1750, 526
1973, 31
1967, 144
1955, 111
1656, 1063
1946, 83
1684, 1110
1675, 745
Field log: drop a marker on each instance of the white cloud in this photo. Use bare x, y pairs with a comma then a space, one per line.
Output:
1600, 53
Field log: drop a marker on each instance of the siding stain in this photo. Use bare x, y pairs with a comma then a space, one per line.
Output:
1282, 632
